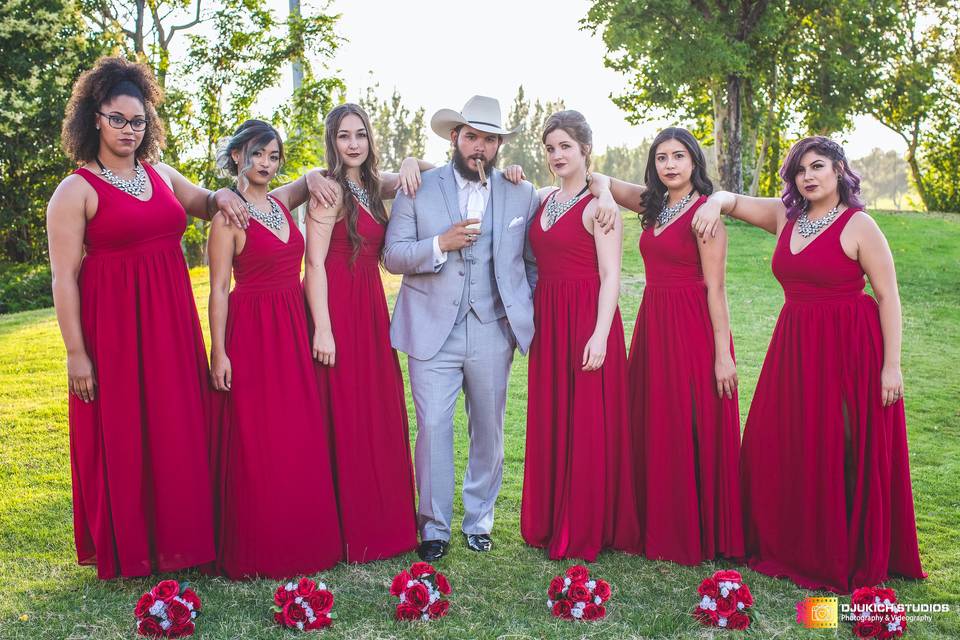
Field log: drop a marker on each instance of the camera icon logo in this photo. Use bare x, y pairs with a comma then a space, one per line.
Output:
818, 613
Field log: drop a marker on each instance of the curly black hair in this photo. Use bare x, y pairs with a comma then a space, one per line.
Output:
111, 77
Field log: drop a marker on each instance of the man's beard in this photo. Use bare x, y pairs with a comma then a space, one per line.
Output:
460, 163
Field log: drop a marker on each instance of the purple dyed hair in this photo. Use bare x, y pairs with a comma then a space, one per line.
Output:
848, 184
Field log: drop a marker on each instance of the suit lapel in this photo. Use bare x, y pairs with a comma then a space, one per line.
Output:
498, 201
448, 188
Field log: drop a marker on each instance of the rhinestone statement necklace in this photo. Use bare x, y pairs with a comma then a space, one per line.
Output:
359, 192
134, 186
669, 213
807, 227
272, 219
556, 209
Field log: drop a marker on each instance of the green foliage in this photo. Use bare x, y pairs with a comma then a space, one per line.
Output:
940, 156
398, 134
42, 50
526, 148
883, 176
623, 162
24, 287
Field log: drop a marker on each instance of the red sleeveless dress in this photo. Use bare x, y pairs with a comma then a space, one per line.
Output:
139, 457
687, 437
824, 468
364, 403
277, 513
578, 495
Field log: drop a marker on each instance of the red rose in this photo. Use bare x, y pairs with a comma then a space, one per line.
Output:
708, 588
738, 621
407, 612
293, 613
181, 630
306, 587
863, 596
706, 616
142, 610
578, 572
281, 596
417, 595
556, 588
418, 569
743, 595
190, 596
149, 627
561, 609
400, 583
321, 622
178, 612
439, 609
278, 618
603, 590
443, 585
728, 575
578, 592
165, 590
726, 607
866, 629
888, 618
593, 612
321, 601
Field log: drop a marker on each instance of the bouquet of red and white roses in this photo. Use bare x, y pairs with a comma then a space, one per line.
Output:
422, 592
167, 611
576, 596
303, 605
876, 613
725, 601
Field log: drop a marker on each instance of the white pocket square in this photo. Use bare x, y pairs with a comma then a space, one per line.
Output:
516, 221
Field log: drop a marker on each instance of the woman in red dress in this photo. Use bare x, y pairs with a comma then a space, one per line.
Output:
136, 363
578, 493
277, 512
682, 376
357, 370
825, 472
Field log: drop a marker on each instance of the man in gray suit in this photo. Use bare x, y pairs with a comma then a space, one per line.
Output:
464, 305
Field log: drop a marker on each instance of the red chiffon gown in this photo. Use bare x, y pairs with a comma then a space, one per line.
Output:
687, 438
578, 493
826, 480
364, 404
139, 452
277, 513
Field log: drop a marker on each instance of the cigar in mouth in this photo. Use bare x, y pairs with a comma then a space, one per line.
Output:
483, 176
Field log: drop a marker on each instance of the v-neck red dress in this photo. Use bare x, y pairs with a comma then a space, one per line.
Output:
687, 437
824, 465
277, 513
578, 496
139, 451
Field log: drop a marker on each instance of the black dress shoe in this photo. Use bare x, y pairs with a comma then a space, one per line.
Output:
478, 541
432, 550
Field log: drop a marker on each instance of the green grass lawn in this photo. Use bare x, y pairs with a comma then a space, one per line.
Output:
503, 593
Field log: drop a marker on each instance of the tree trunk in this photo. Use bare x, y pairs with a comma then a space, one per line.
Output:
911, 157
727, 123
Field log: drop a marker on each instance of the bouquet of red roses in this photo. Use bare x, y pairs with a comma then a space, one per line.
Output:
576, 596
725, 601
422, 592
876, 613
167, 611
303, 605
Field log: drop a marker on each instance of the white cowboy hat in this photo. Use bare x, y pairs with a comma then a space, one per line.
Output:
480, 112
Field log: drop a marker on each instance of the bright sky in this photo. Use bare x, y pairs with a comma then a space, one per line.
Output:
424, 49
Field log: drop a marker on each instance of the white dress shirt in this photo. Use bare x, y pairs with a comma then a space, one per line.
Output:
472, 199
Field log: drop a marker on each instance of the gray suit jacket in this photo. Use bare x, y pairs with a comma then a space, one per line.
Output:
429, 297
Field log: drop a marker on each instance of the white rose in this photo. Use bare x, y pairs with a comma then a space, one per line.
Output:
549, 603
566, 582
739, 605
724, 592
165, 624
597, 600
576, 613
722, 622
591, 584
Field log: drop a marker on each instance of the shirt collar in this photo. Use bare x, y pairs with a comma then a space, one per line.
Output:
463, 183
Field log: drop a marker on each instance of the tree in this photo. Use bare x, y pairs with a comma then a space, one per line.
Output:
735, 69
43, 48
883, 175
526, 148
398, 133
623, 162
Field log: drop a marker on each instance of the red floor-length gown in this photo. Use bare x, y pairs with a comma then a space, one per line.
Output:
687, 438
277, 508
139, 451
826, 480
364, 403
578, 493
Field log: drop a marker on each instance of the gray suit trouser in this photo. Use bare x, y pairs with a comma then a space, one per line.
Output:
476, 357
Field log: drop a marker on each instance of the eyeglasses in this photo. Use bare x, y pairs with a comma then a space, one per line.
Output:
119, 122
